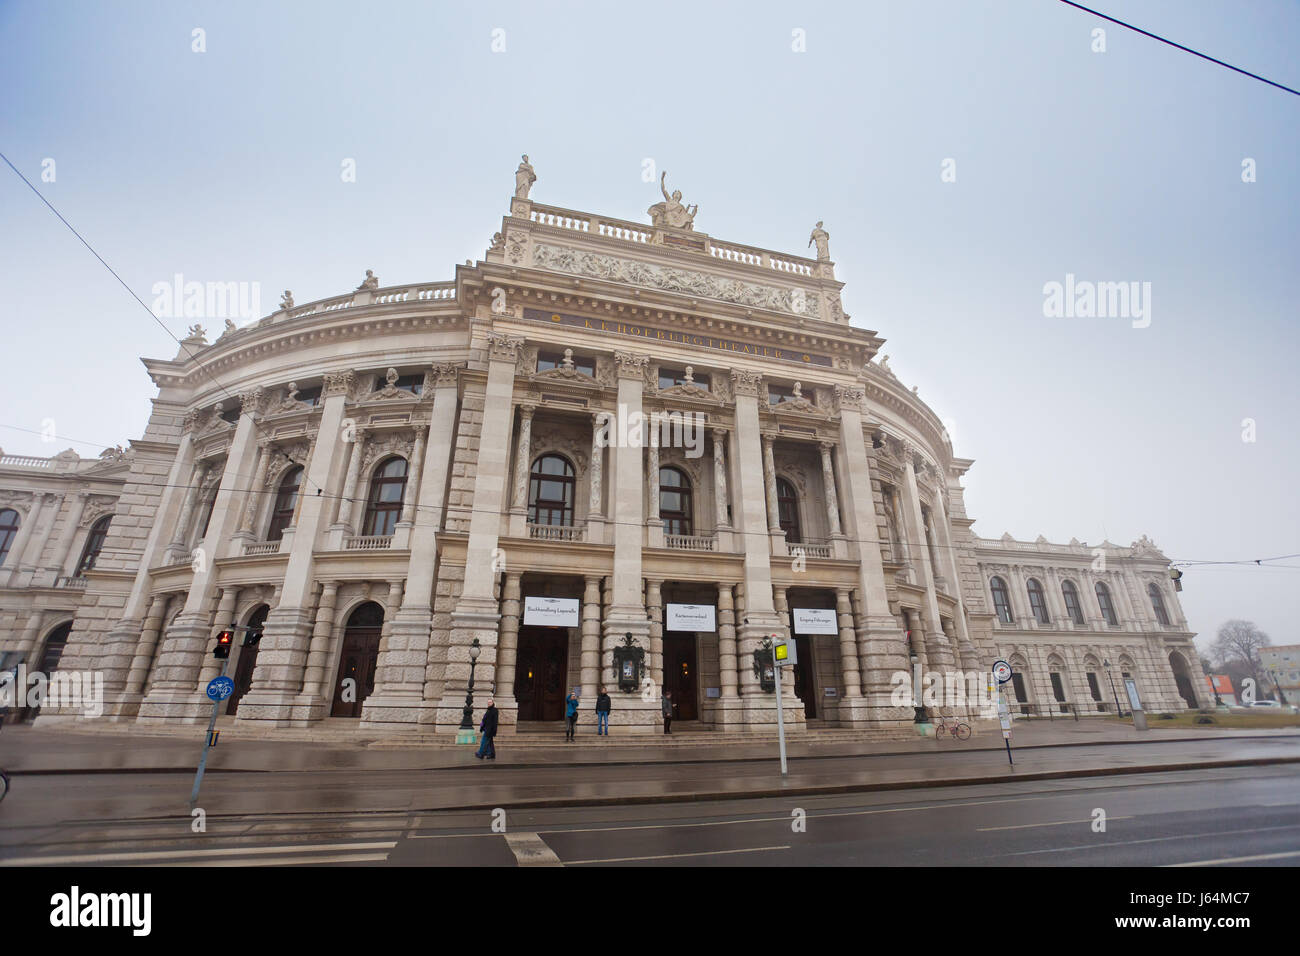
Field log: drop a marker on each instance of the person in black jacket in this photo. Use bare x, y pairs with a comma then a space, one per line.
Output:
487, 749
602, 713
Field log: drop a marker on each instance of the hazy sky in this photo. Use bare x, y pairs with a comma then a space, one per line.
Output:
1123, 165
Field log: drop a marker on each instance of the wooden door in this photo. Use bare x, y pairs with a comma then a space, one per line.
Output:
357, 661
679, 675
540, 672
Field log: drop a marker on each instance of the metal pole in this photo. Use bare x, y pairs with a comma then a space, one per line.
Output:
207, 743
780, 715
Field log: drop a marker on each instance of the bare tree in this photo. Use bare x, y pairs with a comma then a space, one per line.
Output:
1236, 651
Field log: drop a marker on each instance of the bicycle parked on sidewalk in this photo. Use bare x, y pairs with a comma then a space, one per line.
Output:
955, 729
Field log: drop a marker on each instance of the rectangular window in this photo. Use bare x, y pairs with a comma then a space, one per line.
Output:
669, 377
1093, 687
581, 363
776, 394
310, 396
410, 383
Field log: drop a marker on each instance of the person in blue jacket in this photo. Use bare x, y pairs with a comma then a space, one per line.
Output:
570, 714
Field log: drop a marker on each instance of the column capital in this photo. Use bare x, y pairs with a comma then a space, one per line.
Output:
631, 364
526, 410
443, 374
339, 383
502, 347
745, 382
252, 402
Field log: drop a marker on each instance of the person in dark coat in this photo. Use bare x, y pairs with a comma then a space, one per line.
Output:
666, 705
487, 749
602, 713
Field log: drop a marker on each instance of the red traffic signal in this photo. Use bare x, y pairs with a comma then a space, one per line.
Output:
224, 640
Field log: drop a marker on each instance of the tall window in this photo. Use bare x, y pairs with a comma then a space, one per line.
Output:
1072, 605
8, 531
1036, 602
1107, 608
550, 491
674, 501
94, 544
286, 500
387, 487
1001, 600
787, 507
1158, 604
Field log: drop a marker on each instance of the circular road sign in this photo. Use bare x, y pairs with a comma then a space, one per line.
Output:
1002, 671
219, 688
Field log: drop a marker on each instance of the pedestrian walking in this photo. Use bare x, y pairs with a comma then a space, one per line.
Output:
666, 705
570, 714
487, 749
602, 713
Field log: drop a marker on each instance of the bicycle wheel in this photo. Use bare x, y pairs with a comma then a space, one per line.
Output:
939, 731
4, 784
961, 731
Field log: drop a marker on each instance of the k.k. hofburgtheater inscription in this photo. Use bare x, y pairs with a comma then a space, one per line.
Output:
649, 333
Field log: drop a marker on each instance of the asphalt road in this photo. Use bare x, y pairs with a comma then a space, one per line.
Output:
1242, 816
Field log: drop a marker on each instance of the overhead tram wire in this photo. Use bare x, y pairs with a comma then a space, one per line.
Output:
1178, 46
131, 292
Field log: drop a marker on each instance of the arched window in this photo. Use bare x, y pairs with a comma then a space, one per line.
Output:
787, 507
387, 488
1001, 600
1072, 605
675, 501
94, 544
550, 491
286, 500
8, 531
1158, 604
1107, 608
1036, 602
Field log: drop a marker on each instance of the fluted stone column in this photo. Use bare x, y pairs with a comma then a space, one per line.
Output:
652, 473
524, 456
417, 471
769, 485
254, 497
313, 686
597, 469
850, 676
590, 660
720, 479
655, 610
508, 656
179, 539
727, 643
828, 482
356, 452
147, 645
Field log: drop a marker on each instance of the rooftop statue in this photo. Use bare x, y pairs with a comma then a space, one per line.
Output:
371, 281
524, 178
286, 300
671, 212
823, 240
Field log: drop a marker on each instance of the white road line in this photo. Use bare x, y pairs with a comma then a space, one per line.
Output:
1059, 823
1181, 836
676, 856
531, 850
197, 854
1240, 859
286, 861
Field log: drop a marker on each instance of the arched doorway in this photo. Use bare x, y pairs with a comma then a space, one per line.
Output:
357, 660
1183, 678
48, 662
540, 671
247, 659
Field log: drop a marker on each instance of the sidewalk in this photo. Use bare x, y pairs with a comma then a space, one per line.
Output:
117, 748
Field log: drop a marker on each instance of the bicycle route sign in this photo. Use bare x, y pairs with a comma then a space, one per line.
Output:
219, 688
1002, 671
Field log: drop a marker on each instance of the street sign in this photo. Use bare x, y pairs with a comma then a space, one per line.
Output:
785, 653
1002, 671
219, 688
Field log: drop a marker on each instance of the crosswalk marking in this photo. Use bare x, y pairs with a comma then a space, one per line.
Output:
531, 850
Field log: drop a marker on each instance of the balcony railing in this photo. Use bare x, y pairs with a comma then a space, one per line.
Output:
686, 542
808, 549
556, 532
62, 581
262, 547
372, 542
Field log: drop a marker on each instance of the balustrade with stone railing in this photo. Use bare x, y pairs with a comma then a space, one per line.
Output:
556, 532
373, 542
686, 542
261, 547
809, 550
76, 583
26, 461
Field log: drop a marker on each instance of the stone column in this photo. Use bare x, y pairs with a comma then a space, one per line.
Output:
313, 685
31, 563
828, 481
186, 643
881, 647
14, 559
727, 642
416, 469
224, 619
652, 473
254, 496
938, 653
597, 468
769, 485
720, 480
356, 452
63, 557
850, 675
786, 631
590, 661
147, 645
476, 613
508, 655
177, 547
655, 610
524, 456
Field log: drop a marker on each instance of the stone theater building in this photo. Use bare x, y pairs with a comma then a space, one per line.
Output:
608, 453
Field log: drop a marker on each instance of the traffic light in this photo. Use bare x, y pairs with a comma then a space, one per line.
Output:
222, 651
251, 638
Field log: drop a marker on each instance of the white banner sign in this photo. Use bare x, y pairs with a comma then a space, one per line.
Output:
690, 617
809, 620
551, 612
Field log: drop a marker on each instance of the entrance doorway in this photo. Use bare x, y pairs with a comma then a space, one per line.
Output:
357, 660
680, 675
247, 660
1183, 680
540, 671
51, 654
804, 685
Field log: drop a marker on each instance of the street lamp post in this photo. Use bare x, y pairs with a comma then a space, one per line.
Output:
1106, 664
467, 715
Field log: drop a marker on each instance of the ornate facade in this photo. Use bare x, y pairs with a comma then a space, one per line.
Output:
388, 482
